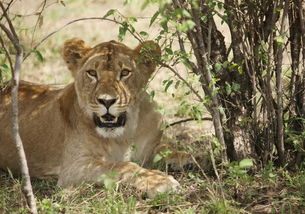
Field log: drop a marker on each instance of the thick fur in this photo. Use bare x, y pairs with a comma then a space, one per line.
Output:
57, 128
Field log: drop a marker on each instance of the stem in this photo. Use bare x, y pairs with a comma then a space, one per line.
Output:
26, 181
27, 187
187, 120
71, 22
279, 92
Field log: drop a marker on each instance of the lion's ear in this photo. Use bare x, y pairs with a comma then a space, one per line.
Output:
73, 51
147, 54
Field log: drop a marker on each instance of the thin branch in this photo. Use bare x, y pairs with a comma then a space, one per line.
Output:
38, 20
7, 53
183, 80
7, 8
73, 21
9, 35
10, 24
182, 48
187, 120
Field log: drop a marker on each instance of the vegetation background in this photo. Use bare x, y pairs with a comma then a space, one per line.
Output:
240, 187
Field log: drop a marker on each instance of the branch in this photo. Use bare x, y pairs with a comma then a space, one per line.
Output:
11, 37
187, 120
7, 53
11, 27
7, 8
73, 21
183, 80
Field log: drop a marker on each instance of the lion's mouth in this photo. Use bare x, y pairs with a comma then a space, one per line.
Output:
110, 121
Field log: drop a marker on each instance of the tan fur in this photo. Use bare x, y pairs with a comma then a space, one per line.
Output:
57, 128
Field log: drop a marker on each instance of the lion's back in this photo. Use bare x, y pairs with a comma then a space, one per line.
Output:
38, 110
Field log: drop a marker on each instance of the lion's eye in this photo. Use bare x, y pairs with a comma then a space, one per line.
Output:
125, 73
92, 73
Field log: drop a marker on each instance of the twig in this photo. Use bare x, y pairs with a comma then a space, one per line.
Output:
71, 22
187, 120
11, 27
7, 8
7, 53
202, 171
182, 48
183, 80
38, 20
9, 35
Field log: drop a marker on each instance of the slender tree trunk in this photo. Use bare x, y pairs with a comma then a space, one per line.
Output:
279, 90
26, 181
13, 37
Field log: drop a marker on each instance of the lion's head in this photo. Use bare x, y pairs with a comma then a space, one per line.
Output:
108, 78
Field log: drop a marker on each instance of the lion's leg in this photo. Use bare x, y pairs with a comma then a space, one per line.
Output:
150, 181
176, 159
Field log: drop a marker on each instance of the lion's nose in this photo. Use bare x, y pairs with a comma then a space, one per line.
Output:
106, 102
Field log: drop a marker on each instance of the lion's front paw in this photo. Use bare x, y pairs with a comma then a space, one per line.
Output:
154, 182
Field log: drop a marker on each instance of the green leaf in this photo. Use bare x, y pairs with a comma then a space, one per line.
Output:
185, 13
217, 66
152, 95
168, 84
38, 55
109, 13
231, 67
169, 51
271, 175
235, 86
153, 18
240, 69
164, 25
144, 5
246, 163
279, 40
157, 158
177, 84
122, 31
4, 68
228, 88
132, 19
143, 33
109, 180
225, 64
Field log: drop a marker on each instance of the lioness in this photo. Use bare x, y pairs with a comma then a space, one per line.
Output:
96, 125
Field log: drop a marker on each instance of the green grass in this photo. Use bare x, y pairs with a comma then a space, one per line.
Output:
283, 192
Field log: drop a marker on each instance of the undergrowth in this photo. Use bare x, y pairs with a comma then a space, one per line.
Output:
266, 191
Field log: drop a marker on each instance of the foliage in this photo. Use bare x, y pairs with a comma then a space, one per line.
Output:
252, 118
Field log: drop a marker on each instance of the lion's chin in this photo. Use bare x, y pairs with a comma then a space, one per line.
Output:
110, 132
